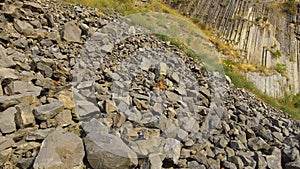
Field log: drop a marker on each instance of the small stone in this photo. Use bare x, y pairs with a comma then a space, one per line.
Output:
72, 32
48, 111
7, 120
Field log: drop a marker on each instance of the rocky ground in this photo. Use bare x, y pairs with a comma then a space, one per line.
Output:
83, 89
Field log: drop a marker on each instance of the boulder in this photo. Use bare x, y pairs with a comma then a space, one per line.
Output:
60, 150
106, 151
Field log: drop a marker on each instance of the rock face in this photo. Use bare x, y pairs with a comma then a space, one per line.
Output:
264, 32
82, 89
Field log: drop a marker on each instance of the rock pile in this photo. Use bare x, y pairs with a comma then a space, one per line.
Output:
80, 89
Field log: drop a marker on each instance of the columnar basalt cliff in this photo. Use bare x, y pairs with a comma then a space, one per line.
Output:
266, 33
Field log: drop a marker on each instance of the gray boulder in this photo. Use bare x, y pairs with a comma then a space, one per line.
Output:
106, 151
60, 150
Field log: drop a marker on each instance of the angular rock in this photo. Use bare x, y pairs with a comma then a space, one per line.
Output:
258, 144
163, 68
72, 32
19, 87
64, 118
5, 61
110, 106
60, 150
47, 111
24, 116
7, 120
109, 152
23, 26
274, 160
94, 126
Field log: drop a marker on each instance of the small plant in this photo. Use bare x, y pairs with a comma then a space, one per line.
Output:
281, 68
276, 53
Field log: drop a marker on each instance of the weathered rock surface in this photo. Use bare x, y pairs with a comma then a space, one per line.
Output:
60, 150
108, 151
70, 74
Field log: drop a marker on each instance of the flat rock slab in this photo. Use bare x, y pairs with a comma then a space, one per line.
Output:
48, 111
60, 150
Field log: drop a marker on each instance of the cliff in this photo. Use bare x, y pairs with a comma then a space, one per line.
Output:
265, 33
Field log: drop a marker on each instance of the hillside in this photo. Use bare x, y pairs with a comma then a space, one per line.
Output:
83, 88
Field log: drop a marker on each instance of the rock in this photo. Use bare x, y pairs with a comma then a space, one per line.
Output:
228, 164
7, 120
163, 68
26, 163
34, 7
94, 126
107, 48
24, 116
5, 143
195, 164
110, 106
25, 98
64, 118
44, 69
108, 151
258, 144
66, 97
48, 111
5, 61
72, 33
237, 145
274, 160
5, 156
172, 149
19, 87
149, 146
146, 64
293, 165
6, 73
23, 27
237, 161
40, 134
64, 149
